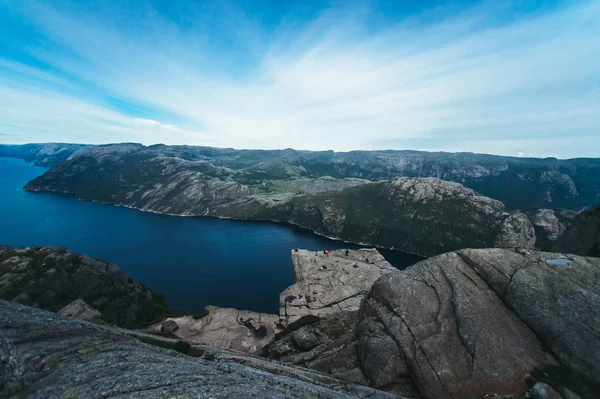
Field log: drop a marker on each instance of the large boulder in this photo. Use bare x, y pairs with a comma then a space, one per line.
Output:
583, 236
473, 322
331, 282
79, 309
53, 277
44, 355
241, 330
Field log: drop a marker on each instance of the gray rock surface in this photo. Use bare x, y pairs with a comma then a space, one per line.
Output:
44, 355
515, 231
330, 283
332, 349
240, 330
53, 277
472, 322
169, 326
556, 295
79, 309
583, 235
305, 339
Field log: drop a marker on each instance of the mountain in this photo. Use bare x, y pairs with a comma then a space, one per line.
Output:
425, 216
47, 154
520, 183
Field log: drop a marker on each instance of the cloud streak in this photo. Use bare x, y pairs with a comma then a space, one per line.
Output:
482, 79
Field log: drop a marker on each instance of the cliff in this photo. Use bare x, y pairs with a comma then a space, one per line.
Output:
53, 277
425, 216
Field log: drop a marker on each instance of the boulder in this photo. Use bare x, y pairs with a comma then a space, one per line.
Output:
169, 326
330, 283
45, 355
473, 322
81, 310
241, 330
305, 339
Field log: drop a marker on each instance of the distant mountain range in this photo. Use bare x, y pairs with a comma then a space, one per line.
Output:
399, 199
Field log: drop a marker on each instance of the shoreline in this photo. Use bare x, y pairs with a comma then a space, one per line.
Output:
288, 224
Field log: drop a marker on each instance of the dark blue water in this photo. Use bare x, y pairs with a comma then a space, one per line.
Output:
194, 261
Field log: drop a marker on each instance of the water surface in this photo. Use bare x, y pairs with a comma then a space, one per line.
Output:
193, 261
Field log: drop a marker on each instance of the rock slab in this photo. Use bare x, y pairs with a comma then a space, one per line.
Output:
473, 322
330, 283
240, 330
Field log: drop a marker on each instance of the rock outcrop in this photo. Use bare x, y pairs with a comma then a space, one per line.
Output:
45, 355
472, 322
583, 235
240, 330
53, 277
79, 309
330, 283
326, 344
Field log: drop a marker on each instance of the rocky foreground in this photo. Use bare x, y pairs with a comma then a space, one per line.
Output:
44, 355
464, 324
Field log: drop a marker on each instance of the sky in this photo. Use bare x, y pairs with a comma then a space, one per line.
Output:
518, 78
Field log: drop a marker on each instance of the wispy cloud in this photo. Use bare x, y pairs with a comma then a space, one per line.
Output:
484, 79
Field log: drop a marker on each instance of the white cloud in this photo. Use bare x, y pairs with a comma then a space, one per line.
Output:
466, 82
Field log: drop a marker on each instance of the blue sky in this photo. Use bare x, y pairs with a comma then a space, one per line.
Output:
502, 77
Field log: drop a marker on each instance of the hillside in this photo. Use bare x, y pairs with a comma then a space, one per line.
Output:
520, 183
425, 216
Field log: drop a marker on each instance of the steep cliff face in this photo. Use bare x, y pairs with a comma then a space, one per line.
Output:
53, 277
425, 216
583, 235
47, 154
